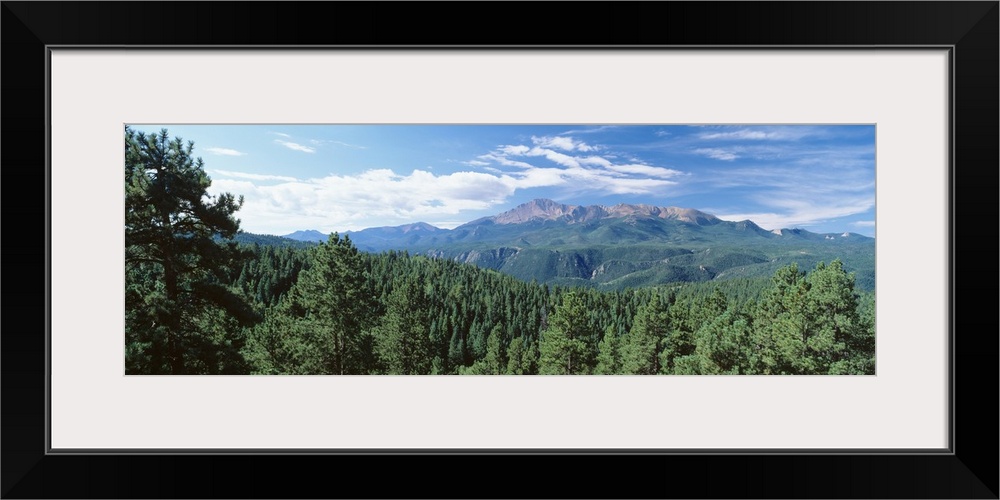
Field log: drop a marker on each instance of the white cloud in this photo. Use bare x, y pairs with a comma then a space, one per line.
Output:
803, 212
295, 146
637, 186
352, 202
661, 133
503, 160
282, 135
225, 152
514, 150
256, 177
797, 185
583, 180
595, 160
448, 224
536, 177
578, 173
564, 143
555, 157
639, 169
521, 150
739, 134
864, 223
601, 128
760, 133
718, 154
320, 142
280, 204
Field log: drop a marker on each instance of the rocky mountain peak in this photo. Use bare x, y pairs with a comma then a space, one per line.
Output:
544, 209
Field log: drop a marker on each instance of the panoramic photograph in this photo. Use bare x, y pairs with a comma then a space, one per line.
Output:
594, 249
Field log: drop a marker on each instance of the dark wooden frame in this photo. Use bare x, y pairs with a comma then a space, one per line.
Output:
969, 29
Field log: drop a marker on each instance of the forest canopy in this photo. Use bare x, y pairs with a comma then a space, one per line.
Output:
199, 302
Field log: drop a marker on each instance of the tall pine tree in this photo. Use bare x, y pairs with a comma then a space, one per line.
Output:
334, 294
640, 350
562, 350
402, 340
180, 315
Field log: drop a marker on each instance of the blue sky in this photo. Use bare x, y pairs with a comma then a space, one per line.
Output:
349, 177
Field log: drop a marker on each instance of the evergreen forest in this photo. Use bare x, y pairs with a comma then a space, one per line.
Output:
203, 297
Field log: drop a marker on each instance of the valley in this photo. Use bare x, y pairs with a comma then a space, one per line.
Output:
620, 246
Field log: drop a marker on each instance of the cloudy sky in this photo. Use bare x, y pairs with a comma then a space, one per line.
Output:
349, 177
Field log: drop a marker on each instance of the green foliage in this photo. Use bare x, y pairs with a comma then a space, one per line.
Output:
334, 294
286, 344
269, 271
562, 348
423, 319
721, 348
182, 315
331, 306
609, 360
680, 337
640, 350
515, 352
860, 353
495, 359
267, 307
267, 240
401, 337
812, 325
618, 253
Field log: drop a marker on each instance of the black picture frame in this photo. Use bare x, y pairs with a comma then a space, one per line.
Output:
970, 29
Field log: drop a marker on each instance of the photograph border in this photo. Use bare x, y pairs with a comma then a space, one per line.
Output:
32, 30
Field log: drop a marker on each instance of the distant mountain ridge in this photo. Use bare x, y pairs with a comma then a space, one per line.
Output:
544, 209
541, 210
618, 246
384, 232
306, 235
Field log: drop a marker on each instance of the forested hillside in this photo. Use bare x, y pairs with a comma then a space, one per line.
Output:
202, 298
335, 310
621, 246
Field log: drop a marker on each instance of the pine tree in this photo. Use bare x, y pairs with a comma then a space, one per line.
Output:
680, 342
514, 355
334, 295
530, 358
286, 344
494, 361
561, 350
862, 345
836, 325
640, 350
810, 324
401, 338
781, 326
608, 354
721, 345
175, 269
456, 349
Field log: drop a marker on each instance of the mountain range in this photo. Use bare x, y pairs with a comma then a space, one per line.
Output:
618, 246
